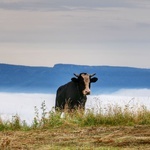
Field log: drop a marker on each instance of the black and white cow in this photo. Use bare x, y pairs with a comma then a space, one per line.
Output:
73, 94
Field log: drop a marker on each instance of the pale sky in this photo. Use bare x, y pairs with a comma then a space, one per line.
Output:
84, 32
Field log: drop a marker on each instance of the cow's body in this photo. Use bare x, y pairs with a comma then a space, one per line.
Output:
73, 94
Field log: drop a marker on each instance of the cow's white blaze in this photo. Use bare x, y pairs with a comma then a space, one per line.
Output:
86, 79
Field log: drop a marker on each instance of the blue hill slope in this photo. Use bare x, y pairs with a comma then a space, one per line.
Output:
14, 78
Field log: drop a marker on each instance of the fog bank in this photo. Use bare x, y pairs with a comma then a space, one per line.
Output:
24, 104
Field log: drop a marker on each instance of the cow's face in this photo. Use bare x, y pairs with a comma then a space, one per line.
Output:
84, 80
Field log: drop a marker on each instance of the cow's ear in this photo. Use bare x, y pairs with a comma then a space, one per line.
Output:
93, 79
74, 79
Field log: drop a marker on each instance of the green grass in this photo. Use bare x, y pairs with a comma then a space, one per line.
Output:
112, 116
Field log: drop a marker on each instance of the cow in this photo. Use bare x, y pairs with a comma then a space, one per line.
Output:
73, 94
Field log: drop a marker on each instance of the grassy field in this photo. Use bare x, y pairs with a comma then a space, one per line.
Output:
116, 128
81, 138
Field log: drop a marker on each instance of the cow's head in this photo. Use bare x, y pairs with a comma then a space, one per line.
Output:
84, 81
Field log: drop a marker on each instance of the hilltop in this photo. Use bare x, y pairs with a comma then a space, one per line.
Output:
16, 78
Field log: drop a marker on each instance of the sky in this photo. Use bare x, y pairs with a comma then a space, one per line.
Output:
84, 32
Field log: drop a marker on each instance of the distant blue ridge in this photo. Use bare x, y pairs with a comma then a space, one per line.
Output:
16, 78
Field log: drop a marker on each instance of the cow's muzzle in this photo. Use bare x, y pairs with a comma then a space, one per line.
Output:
86, 92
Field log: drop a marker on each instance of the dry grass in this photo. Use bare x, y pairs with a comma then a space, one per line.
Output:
86, 138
